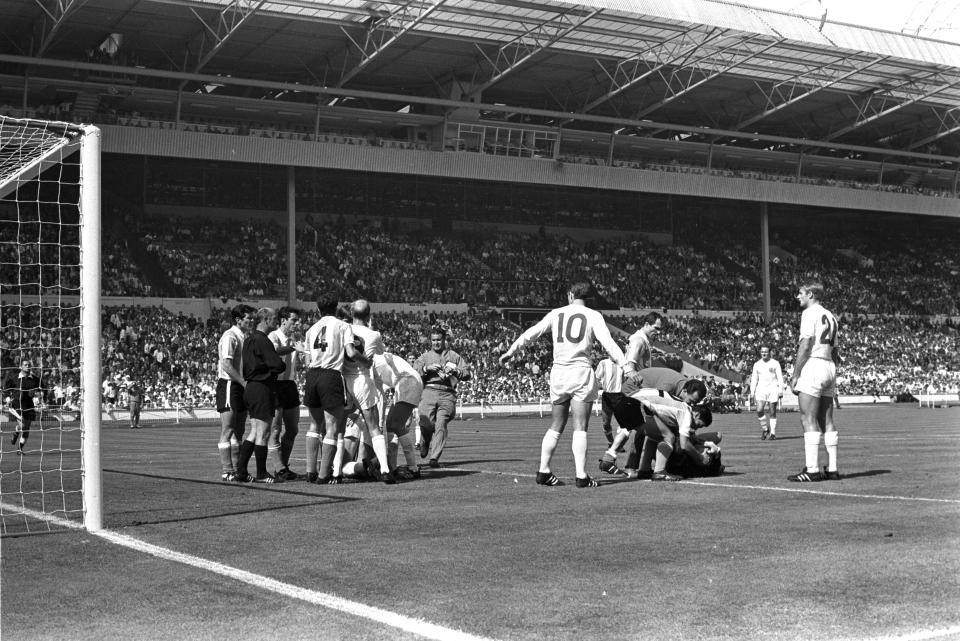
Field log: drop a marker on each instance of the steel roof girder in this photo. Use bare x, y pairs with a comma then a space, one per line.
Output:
385, 31
229, 20
700, 72
949, 120
55, 17
635, 69
875, 105
788, 92
514, 54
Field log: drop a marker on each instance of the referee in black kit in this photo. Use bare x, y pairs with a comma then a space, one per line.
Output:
261, 366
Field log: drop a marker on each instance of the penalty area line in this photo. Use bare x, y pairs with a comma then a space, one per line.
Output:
740, 486
923, 635
797, 490
408, 624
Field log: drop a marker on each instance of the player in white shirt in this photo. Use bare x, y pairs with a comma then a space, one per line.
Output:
573, 384
814, 381
230, 384
394, 372
285, 426
329, 342
766, 389
639, 354
672, 433
610, 379
361, 388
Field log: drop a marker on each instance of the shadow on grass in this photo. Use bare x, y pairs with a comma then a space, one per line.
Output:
457, 463
854, 475
284, 488
444, 472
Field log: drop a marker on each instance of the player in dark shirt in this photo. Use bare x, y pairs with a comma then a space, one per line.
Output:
261, 366
20, 387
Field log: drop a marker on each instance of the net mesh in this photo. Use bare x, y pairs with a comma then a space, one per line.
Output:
40, 457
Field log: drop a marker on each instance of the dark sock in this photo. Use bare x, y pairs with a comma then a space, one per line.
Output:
260, 454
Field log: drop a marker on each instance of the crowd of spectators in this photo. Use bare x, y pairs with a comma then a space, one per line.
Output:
883, 355
227, 258
172, 356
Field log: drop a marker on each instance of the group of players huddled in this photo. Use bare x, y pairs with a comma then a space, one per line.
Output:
349, 373
349, 376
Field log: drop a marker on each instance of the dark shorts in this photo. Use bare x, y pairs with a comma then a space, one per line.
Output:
629, 413
288, 396
28, 413
260, 400
324, 389
229, 396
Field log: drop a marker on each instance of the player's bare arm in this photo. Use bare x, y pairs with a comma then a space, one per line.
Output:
803, 355
231, 371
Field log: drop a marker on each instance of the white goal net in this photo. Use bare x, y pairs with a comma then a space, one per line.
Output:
49, 326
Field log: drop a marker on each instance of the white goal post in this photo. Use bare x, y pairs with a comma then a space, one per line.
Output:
50, 470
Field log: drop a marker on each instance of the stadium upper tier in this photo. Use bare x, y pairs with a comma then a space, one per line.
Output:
713, 265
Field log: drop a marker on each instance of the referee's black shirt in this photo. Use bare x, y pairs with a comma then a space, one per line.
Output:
261, 363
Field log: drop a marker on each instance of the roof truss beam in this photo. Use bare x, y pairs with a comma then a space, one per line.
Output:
521, 49
228, 22
385, 31
788, 92
641, 66
55, 14
878, 104
682, 80
949, 124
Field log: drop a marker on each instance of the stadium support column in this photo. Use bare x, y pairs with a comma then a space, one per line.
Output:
765, 258
291, 236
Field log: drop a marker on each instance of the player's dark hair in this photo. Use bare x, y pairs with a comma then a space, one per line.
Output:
327, 304
286, 312
695, 385
651, 318
814, 288
582, 290
239, 311
703, 413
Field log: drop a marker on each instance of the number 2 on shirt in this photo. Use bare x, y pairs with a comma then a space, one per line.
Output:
829, 333
565, 330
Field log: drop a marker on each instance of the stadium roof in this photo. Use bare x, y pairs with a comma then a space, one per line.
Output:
685, 63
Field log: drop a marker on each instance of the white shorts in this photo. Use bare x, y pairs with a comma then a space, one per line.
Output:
361, 390
767, 395
818, 378
408, 390
572, 383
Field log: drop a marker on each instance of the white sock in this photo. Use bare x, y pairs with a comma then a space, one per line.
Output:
764, 423
773, 426
811, 448
338, 457
547, 447
830, 440
618, 439
379, 444
579, 447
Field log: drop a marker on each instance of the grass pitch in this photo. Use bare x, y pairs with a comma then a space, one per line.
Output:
477, 547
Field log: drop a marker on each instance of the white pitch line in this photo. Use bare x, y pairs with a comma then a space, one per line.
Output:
770, 488
922, 635
408, 624
798, 490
